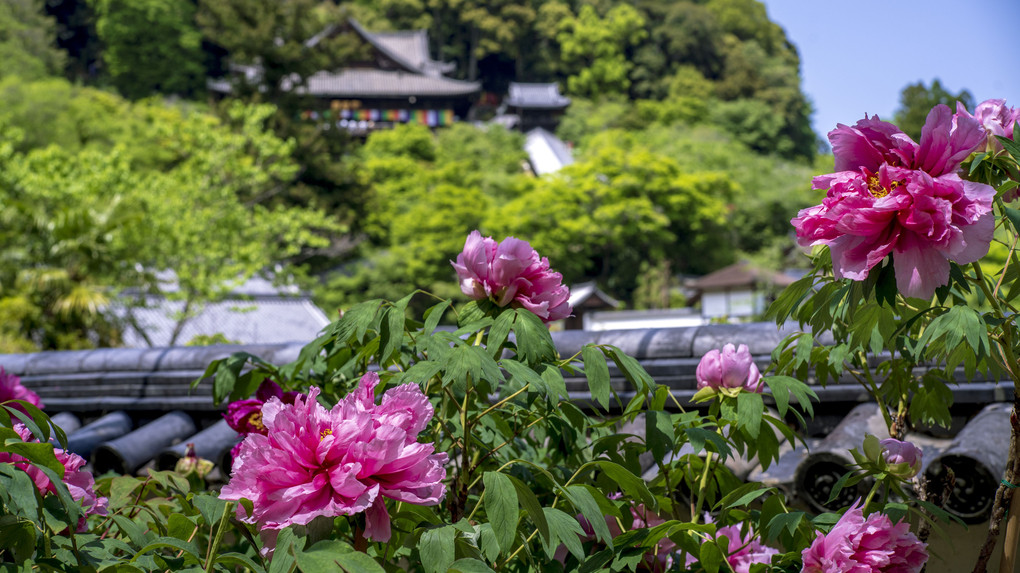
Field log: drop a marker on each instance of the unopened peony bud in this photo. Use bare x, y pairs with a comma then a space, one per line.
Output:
729, 369
191, 464
903, 458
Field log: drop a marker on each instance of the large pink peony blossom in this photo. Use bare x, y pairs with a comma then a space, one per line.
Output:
859, 545
315, 462
891, 195
731, 368
511, 272
78, 480
742, 550
11, 388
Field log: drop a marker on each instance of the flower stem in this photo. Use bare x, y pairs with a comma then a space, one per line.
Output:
210, 560
702, 486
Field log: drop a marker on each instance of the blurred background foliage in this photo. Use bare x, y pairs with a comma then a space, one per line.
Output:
691, 135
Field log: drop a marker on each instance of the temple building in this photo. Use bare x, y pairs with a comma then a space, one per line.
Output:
392, 80
534, 105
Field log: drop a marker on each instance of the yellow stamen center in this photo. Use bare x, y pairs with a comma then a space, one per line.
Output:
324, 433
877, 190
256, 420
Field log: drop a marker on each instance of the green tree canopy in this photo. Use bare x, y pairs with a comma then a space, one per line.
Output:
151, 46
916, 100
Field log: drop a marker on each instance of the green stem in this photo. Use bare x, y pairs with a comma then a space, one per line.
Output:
702, 486
210, 559
871, 494
501, 402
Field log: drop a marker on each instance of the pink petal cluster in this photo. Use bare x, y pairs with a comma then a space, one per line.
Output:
859, 545
895, 453
315, 462
995, 117
891, 195
79, 481
732, 367
11, 388
742, 550
245, 416
511, 272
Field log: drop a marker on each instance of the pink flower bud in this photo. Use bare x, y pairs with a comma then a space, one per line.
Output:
895, 453
729, 368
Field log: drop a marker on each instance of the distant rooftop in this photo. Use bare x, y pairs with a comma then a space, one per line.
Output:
256, 312
536, 96
546, 152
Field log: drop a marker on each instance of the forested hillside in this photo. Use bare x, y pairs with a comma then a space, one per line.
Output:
690, 132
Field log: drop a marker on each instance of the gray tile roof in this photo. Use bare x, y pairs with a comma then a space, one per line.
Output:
536, 96
353, 83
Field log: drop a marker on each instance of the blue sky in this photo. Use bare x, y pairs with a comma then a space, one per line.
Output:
857, 55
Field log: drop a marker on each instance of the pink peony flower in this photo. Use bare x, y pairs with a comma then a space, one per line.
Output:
730, 368
995, 117
79, 481
905, 457
245, 416
742, 550
315, 462
891, 195
12, 389
859, 545
511, 272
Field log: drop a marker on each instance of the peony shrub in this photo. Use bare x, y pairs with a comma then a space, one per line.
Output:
392, 444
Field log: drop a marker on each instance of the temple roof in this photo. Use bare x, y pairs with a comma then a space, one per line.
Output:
536, 96
358, 82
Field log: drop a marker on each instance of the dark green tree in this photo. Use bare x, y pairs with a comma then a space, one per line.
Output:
151, 46
916, 100
27, 41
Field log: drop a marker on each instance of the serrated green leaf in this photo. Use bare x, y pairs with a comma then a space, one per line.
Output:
659, 434
531, 505
433, 315
750, 408
631, 484
783, 522
468, 565
565, 529
17, 537
585, 504
437, 549
330, 555
189, 550
534, 343
711, 557
596, 369
499, 332
501, 508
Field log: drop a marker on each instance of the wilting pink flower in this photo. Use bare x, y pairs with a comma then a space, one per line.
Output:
891, 195
730, 368
79, 481
245, 416
904, 457
315, 462
859, 545
741, 550
11, 388
511, 272
995, 117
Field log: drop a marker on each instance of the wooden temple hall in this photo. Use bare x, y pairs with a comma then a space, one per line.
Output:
395, 80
